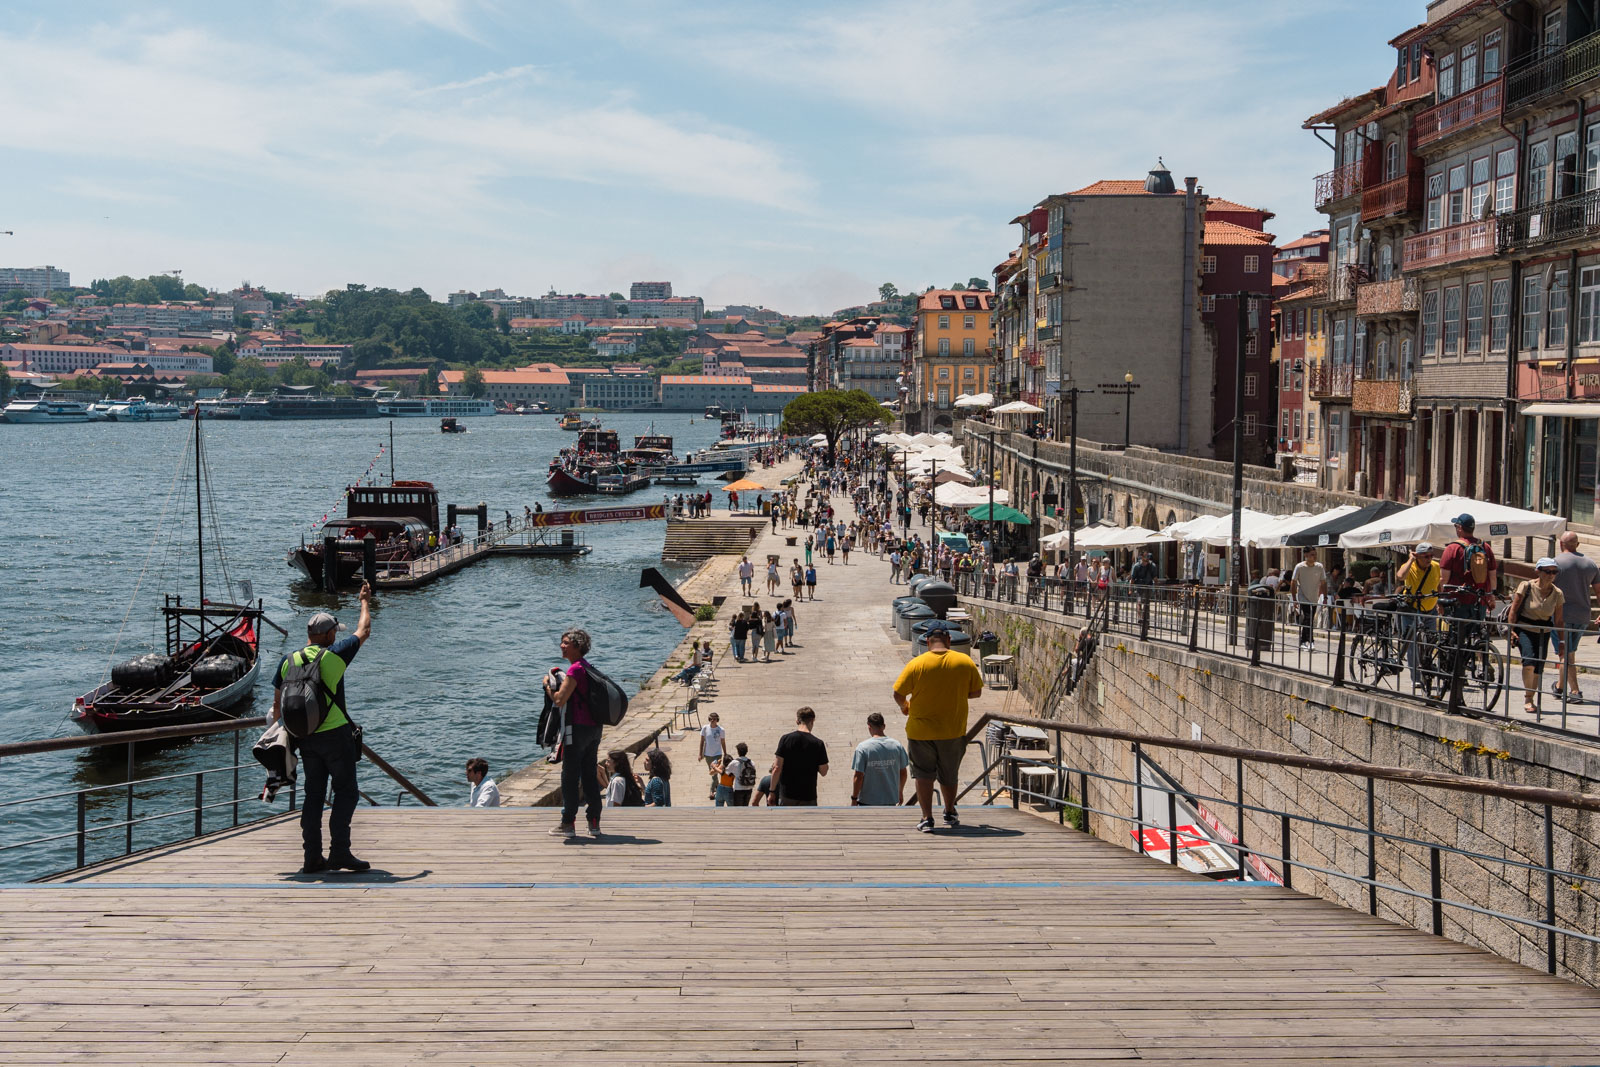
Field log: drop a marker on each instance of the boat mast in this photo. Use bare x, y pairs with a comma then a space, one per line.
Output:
199, 516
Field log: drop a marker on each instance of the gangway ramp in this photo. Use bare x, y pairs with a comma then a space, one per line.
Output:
772, 936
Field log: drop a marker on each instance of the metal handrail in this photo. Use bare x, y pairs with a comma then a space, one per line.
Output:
124, 737
1545, 799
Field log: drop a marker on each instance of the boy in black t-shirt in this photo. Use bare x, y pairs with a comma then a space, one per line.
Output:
801, 758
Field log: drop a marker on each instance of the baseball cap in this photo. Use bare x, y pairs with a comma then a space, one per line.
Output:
1465, 521
1425, 546
940, 627
1545, 563
321, 623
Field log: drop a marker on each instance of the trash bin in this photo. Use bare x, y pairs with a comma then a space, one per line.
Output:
916, 580
1259, 604
938, 595
988, 644
959, 642
900, 602
910, 615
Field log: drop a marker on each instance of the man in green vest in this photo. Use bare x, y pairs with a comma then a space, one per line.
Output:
332, 751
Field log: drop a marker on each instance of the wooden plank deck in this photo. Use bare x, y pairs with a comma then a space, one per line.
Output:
821, 936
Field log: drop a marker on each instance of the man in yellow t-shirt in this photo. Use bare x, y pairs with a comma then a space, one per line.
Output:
1419, 576
932, 692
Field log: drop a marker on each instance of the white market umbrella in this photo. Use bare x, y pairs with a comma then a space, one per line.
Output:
819, 438
1274, 536
980, 400
1431, 522
883, 439
1179, 531
1018, 407
952, 495
954, 474
1250, 523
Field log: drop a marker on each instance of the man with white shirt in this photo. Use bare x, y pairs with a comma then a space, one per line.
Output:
712, 745
484, 793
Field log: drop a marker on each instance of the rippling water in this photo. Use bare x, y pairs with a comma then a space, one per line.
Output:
452, 668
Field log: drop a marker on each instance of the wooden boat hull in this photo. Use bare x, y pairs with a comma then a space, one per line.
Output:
109, 707
563, 482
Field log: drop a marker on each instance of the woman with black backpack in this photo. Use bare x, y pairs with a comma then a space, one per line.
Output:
624, 790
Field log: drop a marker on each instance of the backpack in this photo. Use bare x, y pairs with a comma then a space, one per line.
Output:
1476, 559
606, 701
746, 778
304, 698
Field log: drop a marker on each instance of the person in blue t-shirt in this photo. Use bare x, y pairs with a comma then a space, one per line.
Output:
332, 751
879, 764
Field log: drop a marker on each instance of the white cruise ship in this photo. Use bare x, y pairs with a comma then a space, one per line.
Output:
48, 408
422, 407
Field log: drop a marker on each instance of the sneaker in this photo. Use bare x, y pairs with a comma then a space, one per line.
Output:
951, 819
348, 862
565, 829
594, 827
1556, 688
925, 826
313, 865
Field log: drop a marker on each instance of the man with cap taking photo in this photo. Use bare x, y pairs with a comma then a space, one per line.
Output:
932, 692
1420, 578
332, 750
1464, 557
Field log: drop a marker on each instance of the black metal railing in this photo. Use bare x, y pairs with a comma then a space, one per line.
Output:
1543, 75
1389, 864
1457, 666
1568, 218
119, 808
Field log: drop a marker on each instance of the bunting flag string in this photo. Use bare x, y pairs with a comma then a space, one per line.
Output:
382, 451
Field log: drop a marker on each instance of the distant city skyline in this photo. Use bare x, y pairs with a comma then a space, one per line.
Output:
755, 154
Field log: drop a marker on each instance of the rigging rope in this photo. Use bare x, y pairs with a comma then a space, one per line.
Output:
166, 505
382, 451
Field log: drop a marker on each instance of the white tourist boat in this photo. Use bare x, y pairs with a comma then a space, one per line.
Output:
138, 409
46, 408
437, 407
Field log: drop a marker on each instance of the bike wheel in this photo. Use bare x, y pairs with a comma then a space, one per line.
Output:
1485, 680
1430, 678
1364, 659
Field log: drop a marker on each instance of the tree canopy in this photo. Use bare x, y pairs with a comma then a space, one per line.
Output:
412, 327
833, 414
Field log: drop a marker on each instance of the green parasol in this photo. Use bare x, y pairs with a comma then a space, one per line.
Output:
1002, 513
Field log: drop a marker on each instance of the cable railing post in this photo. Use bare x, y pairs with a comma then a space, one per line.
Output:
1172, 826
1061, 783
1549, 890
1435, 888
1372, 845
1238, 806
236, 778
1457, 667
1083, 799
83, 820
1338, 662
1194, 620
128, 819
1138, 796
1284, 832
199, 802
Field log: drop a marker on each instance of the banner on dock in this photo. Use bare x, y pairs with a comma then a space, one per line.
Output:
589, 516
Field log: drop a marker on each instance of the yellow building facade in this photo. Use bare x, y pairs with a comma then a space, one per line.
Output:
951, 352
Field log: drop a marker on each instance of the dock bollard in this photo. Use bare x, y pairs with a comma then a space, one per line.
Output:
330, 564
483, 517
369, 559
450, 517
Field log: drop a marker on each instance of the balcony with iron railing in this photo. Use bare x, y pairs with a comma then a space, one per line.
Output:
1540, 75
1049, 333
1397, 296
1398, 196
1344, 281
1569, 218
1453, 244
1031, 357
1380, 396
1462, 112
1340, 183
1049, 281
1331, 383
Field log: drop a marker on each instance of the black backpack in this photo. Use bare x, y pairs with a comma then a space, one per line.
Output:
303, 697
606, 701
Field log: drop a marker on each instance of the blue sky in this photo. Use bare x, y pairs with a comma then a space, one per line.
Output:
795, 155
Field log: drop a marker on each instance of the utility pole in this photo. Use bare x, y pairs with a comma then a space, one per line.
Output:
991, 492
1072, 470
1245, 326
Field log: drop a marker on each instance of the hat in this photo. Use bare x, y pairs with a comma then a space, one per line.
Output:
1545, 562
1465, 521
321, 623
940, 627
1425, 546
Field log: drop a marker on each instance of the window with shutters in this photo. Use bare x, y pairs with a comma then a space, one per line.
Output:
1555, 331
1430, 324
1452, 322
1532, 312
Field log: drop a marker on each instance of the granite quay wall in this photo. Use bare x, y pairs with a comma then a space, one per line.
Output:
1170, 692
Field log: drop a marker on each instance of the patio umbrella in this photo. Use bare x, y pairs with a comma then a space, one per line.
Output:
980, 400
1431, 522
955, 474
1326, 533
1274, 536
1000, 513
743, 485
1018, 407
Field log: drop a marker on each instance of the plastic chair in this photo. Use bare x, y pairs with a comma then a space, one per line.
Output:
690, 710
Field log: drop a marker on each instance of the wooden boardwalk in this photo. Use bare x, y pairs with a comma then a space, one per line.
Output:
820, 936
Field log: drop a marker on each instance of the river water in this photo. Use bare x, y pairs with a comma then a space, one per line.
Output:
452, 669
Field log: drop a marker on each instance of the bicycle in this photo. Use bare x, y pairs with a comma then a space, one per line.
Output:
1465, 649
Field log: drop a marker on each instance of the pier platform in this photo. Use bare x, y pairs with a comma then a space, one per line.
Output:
770, 936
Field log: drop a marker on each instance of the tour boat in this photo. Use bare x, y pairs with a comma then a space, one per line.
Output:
570, 421
138, 409
451, 426
393, 405
210, 664
47, 408
399, 516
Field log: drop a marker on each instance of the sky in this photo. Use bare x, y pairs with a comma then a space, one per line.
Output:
790, 155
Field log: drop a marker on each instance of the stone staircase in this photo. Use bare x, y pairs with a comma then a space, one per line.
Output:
691, 540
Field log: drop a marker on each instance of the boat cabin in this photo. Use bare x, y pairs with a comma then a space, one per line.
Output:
417, 501
656, 442
598, 440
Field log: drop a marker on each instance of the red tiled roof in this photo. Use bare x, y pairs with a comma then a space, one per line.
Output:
1301, 294
703, 379
511, 377
779, 389
1228, 233
1309, 241
930, 299
1349, 103
1112, 187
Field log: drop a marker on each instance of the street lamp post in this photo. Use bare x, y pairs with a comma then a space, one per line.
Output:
1127, 410
1246, 311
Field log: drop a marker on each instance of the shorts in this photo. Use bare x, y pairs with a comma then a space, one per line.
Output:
937, 760
1566, 637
